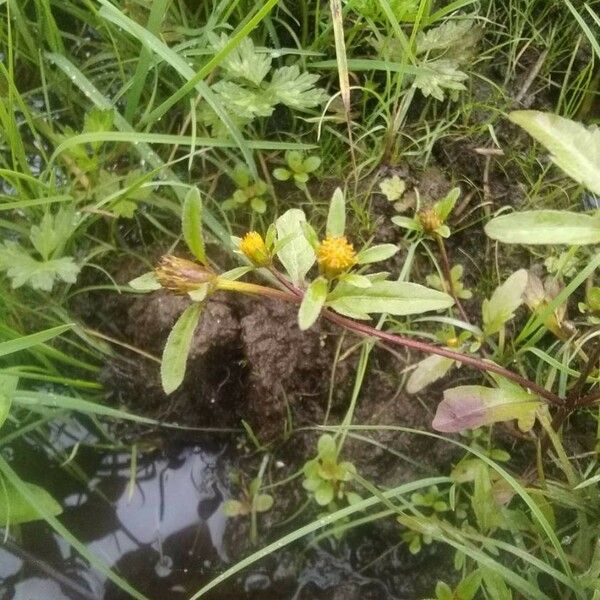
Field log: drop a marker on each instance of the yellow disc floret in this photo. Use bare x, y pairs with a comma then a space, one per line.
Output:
254, 248
335, 255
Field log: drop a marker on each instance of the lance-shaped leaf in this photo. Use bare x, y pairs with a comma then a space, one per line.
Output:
574, 147
177, 348
376, 253
191, 224
15, 509
312, 303
506, 298
545, 227
393, 297
336, 218
430, 369
8, 386
296, 255
145, 283
472, 406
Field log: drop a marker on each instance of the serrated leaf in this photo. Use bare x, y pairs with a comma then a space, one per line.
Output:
244, 62
191, 224
175, 353
428, 370
295, 89
574, 147
336, 217
296, 255
445, 36
438, 76
545, 227
473, 406
312, 303
393, 297
393, 188
376, 253
145, 283
124, 208
244, 102
505, 299
23, 269
14, 509
53, 232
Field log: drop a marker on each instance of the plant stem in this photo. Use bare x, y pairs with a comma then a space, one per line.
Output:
295, 295
448, 276
472, 361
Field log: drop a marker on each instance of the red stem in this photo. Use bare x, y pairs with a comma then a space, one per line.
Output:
398, 340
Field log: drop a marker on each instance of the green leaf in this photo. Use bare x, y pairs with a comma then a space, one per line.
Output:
407, 223
326, 447
324, 493
444, 206
430, 369
439, 75
336, 218
281, 174
376, 253
572, 146
244, 62
8, 386
258, 205
445, 36
28, 341
124, 208
312, 303
145, 283
53, 232
297, 255
394, 297
263, 502
234, 508
545, 227
393, 188
468, 587
473, 406
295, 89
23, 269
191, 224
506, 298
244, 102
311, 164
14, 509
174, 358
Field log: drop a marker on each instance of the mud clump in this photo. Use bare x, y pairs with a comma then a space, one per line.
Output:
248, 360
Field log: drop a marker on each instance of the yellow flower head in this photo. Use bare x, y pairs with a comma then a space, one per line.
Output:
254, 248
430, 220
181, 276
335, 255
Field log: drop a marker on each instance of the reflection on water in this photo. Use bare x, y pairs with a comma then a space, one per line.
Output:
162, 531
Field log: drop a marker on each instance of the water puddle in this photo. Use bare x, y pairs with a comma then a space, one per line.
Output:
163, 532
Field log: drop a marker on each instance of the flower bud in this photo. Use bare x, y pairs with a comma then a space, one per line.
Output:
430, 220
181, 276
